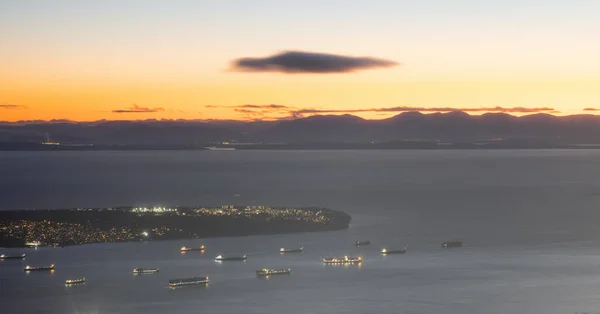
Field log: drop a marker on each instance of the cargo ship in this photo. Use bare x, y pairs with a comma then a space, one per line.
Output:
75, 281
450, 244
386, 251
230, 258
188, 281
6, 256
269, 272
187, 249
36, 268
284, 250
137, 271
342, 260
359, 243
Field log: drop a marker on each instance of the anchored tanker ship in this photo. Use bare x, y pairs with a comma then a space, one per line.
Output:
230, 258
284, 250
145, 270
342, 260
188, 281
75, 281
187, 249
386, 251
269, 272
6, 256
36, 268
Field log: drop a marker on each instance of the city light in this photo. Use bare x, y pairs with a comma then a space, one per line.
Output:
53, 233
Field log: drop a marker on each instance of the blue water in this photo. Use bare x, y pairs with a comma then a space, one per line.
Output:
529, 220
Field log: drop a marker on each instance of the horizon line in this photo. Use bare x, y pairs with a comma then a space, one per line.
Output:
59, 120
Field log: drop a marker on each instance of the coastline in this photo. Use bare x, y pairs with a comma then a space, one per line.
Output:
79, 226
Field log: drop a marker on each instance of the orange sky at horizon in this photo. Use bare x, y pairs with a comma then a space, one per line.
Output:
91, 61
90, 102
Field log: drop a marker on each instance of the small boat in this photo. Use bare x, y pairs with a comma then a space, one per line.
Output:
386, 251
359, 243
269, 272
6, 256
342, 260
230, 258
138, 271
284, 250
38, 268
188, 281
75, 281
187, 249
451, 244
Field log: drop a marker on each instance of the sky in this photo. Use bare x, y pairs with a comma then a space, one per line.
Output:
151, 59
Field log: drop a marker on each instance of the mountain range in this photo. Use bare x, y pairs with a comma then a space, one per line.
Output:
454, 126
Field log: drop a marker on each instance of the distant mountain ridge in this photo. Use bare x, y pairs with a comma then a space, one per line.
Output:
453, 126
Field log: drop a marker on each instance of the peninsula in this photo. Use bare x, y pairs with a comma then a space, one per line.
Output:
63, 227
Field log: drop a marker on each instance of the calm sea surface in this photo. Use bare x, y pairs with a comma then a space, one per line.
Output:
530, 221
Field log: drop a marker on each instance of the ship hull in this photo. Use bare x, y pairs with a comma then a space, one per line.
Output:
262, 273
12, 257
187, 282
342, 260
40, 269
144, 271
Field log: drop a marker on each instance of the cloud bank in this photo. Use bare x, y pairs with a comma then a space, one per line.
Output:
591, 109
138, 109
309, 62
10, 106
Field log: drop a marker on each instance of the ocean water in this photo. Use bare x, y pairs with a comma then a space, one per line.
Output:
530, 221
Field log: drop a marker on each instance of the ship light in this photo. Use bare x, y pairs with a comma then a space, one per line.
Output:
2, 255
384, 250
280, 250
202, 247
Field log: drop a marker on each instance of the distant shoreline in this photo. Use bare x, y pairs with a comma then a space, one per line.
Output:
67, 227
407, 145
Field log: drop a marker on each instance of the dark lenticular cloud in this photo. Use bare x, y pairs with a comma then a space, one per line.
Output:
138, 109
591, 109
309, 62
